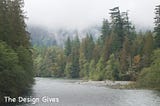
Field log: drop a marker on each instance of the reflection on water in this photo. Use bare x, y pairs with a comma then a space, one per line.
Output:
68, 93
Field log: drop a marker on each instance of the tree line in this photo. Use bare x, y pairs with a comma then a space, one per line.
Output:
120, 53
16, 65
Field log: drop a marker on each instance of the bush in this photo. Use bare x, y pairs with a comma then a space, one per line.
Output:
150, 77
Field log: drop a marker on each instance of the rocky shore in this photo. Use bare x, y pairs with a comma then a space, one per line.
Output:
109, 83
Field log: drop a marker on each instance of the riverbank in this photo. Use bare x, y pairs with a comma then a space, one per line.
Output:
110, 84
70, 93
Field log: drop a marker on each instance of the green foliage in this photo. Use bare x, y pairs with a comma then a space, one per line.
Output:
92, 69
16, 66
12, 75
68, 47
117, 27
59, 65
82, 62
75, 58
107, 49
147, 49
99, 69
112, 68
118, 54
124, 56
156, 58
75, 67
157, 26
68, 69
105, 31
52, 61
86, 70
121, 27
87, 47
150, 77
49, 61
25, 59
49, 58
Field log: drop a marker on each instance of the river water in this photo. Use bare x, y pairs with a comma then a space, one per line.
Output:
60, 92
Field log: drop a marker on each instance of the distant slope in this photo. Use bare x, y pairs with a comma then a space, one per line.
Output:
41, 36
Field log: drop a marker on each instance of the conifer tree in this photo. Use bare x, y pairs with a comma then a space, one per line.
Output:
105, 31
68, 47
157, 26
147, 49
117, 26
13, 33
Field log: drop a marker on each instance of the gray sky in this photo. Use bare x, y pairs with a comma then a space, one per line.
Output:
83, 13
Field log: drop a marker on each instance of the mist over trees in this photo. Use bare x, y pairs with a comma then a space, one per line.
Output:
120, 53
16, 65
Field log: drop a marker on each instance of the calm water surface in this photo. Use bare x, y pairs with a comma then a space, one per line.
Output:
74, 94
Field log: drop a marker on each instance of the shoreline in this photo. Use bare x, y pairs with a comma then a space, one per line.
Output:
110, 84
105, 83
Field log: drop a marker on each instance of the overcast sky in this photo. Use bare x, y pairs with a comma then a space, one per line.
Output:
83, 13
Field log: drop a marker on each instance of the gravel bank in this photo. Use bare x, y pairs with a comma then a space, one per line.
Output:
107, 83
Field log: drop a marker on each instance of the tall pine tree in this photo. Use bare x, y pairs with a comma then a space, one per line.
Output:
157, 26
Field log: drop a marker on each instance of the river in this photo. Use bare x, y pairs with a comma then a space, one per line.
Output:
70, 93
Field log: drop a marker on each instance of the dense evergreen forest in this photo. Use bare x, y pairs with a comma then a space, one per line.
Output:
16, 65
120, 53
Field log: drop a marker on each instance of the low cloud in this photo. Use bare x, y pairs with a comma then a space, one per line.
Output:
83, 13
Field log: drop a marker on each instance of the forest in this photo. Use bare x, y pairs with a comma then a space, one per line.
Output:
16, 65
120, 53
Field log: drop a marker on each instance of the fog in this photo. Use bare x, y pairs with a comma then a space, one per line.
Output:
83, 13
